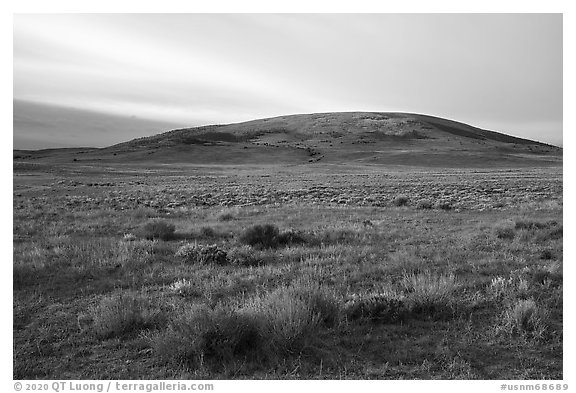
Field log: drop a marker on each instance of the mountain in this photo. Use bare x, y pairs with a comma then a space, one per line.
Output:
38, 125
372, 138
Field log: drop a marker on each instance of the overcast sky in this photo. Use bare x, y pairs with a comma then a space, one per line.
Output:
497, 71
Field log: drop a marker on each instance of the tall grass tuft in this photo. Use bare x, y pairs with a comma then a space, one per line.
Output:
428, 293
120, 314
525, 318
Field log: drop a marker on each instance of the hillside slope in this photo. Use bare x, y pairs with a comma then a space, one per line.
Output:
352, 137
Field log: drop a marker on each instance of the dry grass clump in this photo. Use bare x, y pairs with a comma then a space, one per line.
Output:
293, 313
525, 318
428, 293
186, 288
202, 254
158, 229
123, 313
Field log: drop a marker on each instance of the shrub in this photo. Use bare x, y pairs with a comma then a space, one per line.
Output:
429, 294
261, 236
281, 322
158, 229
292, 237
291, 315
400, 201
213, 337
123, 313
424, 204
196, 253
207, 232
383, 308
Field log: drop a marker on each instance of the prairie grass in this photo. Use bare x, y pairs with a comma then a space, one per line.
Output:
366, 292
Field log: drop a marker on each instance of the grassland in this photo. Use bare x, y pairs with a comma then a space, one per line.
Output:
400, 273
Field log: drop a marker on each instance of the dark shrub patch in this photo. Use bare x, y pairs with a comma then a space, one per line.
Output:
425, 204
554, 233
207, 232
261, 236
212, 337
546, 255
400, 201
158, 229
292, 237
375, 308
225, 217
505, 233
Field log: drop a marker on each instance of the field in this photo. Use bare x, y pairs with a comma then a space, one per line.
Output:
320, 271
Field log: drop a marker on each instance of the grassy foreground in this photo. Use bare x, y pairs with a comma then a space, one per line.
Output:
398, 291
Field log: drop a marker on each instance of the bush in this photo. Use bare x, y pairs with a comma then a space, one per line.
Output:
213, 337
196, 253
281, 322
291, 315
158, 229
121, 314
207, 232
400, 201
383, 308
425, 204
292, 237
261, 236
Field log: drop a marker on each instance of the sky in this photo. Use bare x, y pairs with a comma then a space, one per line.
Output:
496, 71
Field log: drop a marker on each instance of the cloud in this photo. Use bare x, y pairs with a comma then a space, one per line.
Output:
215, 68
